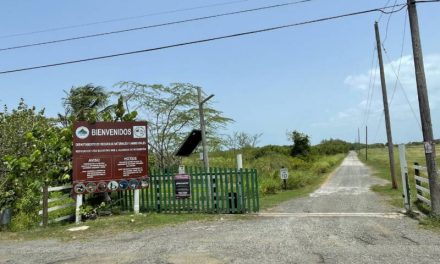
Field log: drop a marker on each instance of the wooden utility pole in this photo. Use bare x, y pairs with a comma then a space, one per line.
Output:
366, 142
359, 141
425, 112
385, 108
203, 127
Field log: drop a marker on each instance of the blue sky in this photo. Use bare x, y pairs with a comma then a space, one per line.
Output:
312, 78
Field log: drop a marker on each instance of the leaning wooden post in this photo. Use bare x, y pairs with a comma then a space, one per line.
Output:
79, 201
45, 205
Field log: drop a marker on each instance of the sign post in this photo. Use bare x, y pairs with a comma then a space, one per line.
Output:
284, 175
79, 200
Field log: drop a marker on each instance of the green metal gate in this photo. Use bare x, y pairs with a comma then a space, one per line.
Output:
216, 191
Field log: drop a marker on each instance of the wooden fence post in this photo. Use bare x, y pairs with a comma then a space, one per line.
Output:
157, 183
404, 174
417, 173
45, 204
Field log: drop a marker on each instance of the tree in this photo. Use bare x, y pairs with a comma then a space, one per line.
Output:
301, 144
241, 140
332, 146
171, 112
35, 151
13, 127
87, 102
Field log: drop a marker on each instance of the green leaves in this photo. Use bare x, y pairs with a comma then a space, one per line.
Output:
34, 151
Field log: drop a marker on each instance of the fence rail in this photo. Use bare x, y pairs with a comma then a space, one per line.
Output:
422, 184
45, 201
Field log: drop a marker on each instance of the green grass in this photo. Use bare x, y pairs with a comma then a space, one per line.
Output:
106, 226
378, 160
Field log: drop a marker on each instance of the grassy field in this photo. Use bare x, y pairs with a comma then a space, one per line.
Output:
107, 226
378, 161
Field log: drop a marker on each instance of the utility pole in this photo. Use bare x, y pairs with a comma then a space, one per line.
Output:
359, 141
385, 108
366, 142
425, 112
203, 127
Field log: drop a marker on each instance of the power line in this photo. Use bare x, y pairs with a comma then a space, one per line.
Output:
401, 55
373, 60
153, 26
120, 19
379, 125
397, 74
372, 92
388, 24
199, 41
403, 90
381, 14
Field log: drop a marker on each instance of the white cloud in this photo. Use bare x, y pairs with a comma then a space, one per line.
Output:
400, 109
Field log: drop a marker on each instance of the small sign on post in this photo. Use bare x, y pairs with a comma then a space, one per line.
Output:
284, 175
181, 169
182, 186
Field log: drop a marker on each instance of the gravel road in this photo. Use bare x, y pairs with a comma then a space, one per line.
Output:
342, 222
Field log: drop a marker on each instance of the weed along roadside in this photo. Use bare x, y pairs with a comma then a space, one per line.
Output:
378, 161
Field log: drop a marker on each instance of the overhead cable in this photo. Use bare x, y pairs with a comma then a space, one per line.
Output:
199, 41
153, 26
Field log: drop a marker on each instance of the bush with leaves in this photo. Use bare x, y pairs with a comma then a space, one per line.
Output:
49, 162
301, 144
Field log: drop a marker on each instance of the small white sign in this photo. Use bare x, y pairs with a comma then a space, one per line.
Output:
182, 169
284, 174
428, 147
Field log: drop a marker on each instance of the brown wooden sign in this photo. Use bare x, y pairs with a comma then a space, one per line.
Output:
109, 154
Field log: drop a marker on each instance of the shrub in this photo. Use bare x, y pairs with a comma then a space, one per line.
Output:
321, 167
269, 186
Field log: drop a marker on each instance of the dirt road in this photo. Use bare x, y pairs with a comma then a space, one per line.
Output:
342, 222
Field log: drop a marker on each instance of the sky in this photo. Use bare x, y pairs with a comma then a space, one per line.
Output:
320, 79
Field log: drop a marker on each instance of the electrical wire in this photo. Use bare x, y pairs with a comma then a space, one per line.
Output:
200, 41
379, 125
154, 26
373, 66
120, 19
376, 70
388, 24
381, 14
401, 56
403, 90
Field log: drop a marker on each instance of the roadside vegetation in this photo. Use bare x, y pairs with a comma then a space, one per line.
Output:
378, 161
35, 150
